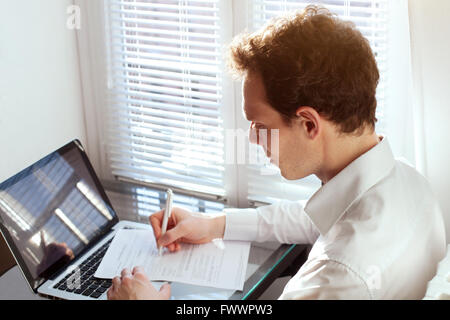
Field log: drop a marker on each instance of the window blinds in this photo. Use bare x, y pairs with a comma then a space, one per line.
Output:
370, 17
164, 93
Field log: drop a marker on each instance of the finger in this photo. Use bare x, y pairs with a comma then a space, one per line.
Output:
175, 246
139, 273
158, 214
164, 291
110, 294
171, 247
172, 235
156, 222
116, 283
137, 269
125, 273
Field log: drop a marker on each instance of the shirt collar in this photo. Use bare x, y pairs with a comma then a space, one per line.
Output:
333, 199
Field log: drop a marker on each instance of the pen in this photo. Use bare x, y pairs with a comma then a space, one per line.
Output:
166, 214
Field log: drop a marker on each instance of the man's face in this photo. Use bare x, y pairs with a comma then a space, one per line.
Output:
294, 153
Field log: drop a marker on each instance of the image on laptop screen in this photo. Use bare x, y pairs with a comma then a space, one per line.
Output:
52, 211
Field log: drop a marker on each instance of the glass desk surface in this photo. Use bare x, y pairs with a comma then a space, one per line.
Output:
266, 262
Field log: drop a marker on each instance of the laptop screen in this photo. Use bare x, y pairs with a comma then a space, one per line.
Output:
51, 211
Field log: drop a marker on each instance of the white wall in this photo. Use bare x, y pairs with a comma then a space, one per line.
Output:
430, 41
40, 93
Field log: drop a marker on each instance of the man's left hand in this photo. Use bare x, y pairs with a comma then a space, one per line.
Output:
136, 286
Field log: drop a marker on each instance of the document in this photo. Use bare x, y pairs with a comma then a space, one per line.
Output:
219, 264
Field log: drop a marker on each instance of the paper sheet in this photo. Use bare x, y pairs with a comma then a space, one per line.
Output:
219, 264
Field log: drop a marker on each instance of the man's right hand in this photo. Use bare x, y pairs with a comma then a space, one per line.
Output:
185, 226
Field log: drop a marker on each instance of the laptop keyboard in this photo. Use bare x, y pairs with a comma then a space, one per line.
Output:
88, 285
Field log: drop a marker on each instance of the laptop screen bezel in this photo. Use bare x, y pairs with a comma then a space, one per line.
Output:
36, 283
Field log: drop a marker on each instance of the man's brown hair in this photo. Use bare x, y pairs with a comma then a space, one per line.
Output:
312, 58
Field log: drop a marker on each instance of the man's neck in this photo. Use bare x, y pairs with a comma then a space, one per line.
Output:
341, 150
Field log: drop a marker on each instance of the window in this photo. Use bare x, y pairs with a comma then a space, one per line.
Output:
165, 93
170, 100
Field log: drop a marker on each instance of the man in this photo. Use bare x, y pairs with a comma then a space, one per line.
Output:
376, 228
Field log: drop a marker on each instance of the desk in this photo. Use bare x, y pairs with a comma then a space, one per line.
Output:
267, 261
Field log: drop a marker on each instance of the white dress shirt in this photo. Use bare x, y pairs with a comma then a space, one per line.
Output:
376, 228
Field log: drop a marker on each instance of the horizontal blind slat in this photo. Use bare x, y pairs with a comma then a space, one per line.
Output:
122, 78
129, 38
178, 66
157, 135
167, 74
166, 141
210, 113
150, 128
148, 122
166, 98
166, 57
165, 114
156, 161
170, 90
168, 4
168, 32
184, 25
143, 50
160, 14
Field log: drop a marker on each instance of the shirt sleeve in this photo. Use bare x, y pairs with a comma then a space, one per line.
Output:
284, 222
326, 280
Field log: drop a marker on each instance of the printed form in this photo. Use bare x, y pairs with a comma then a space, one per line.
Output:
219, 264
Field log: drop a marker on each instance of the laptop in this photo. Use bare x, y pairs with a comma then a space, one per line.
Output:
58, 223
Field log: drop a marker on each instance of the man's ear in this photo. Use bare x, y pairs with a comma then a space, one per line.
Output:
310, 121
